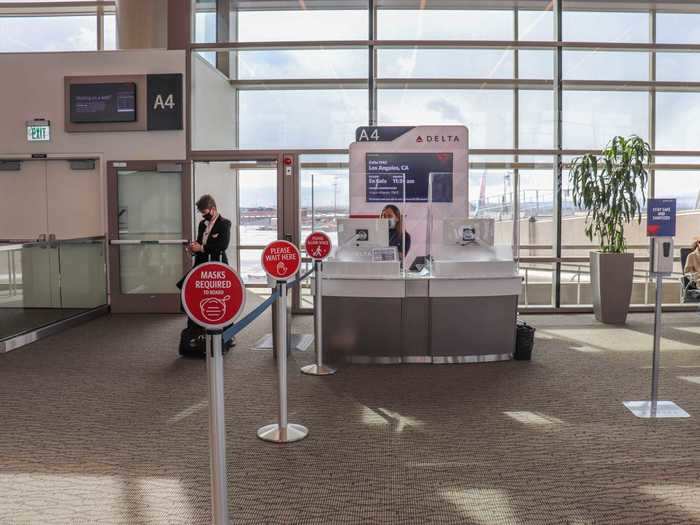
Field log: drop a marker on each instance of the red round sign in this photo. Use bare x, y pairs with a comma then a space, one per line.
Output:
281, 260
318, 246
213, 295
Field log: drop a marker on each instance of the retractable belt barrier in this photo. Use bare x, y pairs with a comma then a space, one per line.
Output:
258, 311
213, 296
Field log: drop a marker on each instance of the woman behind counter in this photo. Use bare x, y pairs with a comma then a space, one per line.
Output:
396, 230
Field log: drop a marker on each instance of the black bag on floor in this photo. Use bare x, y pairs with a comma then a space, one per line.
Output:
193, 342
524, 341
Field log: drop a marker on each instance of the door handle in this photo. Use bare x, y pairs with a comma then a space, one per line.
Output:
52, 240
42, 240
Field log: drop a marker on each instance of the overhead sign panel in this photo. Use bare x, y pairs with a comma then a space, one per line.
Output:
380, 133
164, 102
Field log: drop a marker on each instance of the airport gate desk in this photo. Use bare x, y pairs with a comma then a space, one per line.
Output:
460, 309
455, 297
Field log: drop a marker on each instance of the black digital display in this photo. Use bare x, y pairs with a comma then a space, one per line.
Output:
386, 173
97, 103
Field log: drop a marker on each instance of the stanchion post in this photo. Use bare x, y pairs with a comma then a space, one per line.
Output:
661, 250
318, 369
656, 356
217, 428
282, 431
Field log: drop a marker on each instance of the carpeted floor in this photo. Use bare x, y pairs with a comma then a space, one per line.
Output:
105, 424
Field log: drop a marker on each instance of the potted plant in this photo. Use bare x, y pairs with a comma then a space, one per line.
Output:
610, 187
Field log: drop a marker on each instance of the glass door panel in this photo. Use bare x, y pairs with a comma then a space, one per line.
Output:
150, 212
258, 218
324, 197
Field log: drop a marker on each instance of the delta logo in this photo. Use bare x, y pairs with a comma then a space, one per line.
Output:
435, 139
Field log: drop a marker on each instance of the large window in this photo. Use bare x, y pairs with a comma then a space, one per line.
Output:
27, 27
304, 75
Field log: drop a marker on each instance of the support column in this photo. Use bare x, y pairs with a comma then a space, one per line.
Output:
142, 24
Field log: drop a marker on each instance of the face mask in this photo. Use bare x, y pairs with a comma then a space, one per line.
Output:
207, 217
392, 223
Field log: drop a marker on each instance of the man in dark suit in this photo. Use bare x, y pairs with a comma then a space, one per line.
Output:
213, 236
213, 233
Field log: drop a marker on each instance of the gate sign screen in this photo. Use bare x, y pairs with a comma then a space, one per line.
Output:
213, 295
386, 173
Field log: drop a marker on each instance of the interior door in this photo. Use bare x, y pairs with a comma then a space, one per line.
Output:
23, 200
149, 226
75, 184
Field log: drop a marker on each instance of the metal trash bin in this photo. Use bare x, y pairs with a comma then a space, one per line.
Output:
524, 341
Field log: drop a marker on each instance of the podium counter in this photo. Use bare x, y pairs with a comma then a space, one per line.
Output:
416, 318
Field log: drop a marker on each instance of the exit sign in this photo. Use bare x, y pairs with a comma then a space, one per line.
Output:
39, 131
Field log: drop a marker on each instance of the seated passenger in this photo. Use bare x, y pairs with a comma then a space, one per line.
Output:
396, 230
692, 264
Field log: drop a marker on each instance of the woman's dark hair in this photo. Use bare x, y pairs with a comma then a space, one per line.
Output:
397, 212
206, 202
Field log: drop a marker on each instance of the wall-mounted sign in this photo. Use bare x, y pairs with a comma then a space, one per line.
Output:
38, 130
164, 102
661, 218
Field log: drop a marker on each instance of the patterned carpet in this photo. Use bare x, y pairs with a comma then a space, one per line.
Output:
105, 424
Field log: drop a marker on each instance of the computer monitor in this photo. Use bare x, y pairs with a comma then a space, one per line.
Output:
469, 232
363, 233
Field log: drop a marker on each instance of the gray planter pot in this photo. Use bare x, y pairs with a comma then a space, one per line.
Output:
611, 283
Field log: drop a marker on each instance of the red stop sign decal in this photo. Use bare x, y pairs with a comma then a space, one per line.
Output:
318, 246
213, 295
281, 260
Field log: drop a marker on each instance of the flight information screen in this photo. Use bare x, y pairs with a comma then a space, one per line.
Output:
96, 103
386, 173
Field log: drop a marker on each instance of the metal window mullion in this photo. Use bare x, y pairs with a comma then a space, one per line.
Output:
100, 20
234, 75
515, 204
372, 65
651, 190
557, 204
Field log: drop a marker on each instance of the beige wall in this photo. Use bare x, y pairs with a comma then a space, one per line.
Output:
213, 108
32, 87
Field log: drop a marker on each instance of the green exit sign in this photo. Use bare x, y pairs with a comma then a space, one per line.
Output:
39, 131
